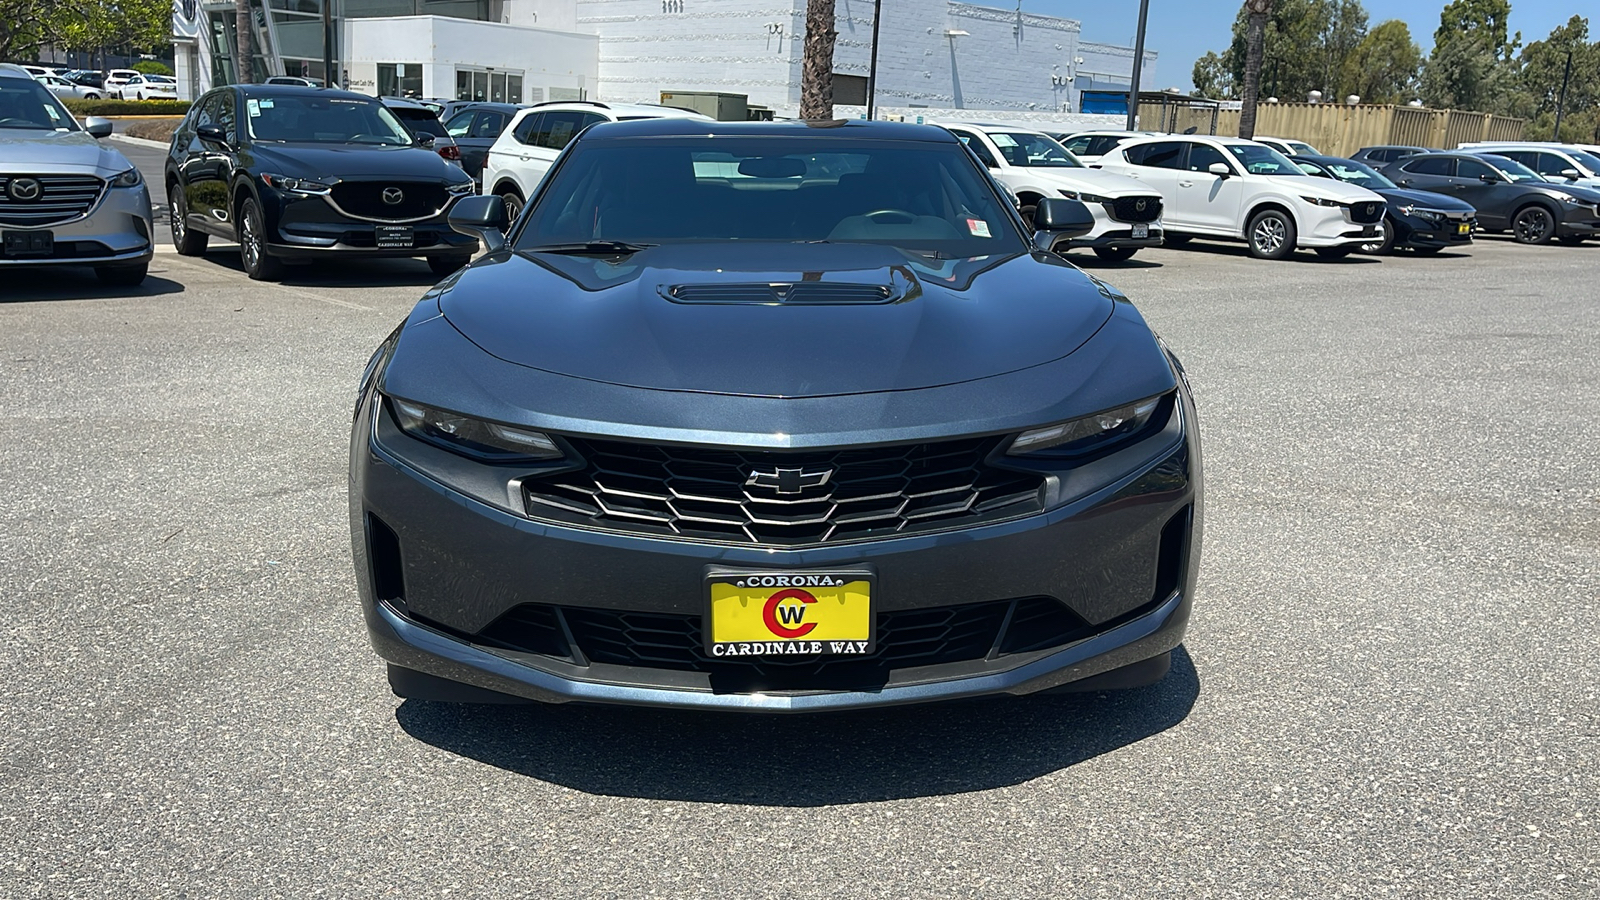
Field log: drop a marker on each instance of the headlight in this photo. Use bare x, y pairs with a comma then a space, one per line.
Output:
130, 178
1573, 201
1082, 197
461, 188
1318, 201
487, 441
307, 186
1087, 433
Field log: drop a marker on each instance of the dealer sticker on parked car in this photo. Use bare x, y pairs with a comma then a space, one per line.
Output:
789, 613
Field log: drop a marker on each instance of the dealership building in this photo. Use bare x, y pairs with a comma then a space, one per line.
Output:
934, 54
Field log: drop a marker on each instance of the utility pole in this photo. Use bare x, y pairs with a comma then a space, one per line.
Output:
327, 43
1561, 98
872, 67
1138, 64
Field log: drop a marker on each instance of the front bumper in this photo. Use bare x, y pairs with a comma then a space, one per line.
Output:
1428, 234
115, 232
1321, 226
1579, 221
438, 568
1120, 235
311, 228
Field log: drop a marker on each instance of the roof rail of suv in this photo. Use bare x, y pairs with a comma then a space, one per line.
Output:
13, 69
583, 102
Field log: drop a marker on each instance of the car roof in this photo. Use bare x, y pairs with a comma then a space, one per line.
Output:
403, 103
10, 70
858, 129
987, 127
298, 90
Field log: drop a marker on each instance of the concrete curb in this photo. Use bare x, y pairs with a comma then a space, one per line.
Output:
159, 145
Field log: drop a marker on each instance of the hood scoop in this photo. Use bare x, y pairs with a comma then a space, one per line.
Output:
819, 293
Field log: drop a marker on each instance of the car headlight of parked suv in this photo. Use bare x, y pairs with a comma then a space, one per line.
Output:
1084, 197
308, 187
1319, 201
130, 178
475, 438
461, 189
1089, 433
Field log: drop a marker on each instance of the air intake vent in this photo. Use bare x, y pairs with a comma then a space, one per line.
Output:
813, 292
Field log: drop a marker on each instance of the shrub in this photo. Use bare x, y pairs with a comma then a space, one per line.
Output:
81, 108
153, 129
151, 67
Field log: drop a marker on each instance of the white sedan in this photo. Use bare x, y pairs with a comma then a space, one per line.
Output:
150, 87
64, 88
1234, 189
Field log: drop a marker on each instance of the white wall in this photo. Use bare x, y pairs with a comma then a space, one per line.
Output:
546, 57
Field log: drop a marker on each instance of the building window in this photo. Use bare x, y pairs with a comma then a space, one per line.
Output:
400, 80
849, 90
483, 84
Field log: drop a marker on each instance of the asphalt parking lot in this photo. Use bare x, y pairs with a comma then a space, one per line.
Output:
1389, 687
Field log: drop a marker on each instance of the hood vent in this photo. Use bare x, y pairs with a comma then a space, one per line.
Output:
806, 292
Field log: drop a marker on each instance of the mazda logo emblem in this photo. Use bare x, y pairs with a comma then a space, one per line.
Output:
24, 189
1140, 206
789, 481
393, 196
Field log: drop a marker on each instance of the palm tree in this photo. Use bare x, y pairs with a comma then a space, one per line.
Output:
816, 72
243, 22
1259, 10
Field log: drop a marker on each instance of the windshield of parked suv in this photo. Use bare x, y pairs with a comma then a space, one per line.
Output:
27, 105
1587, 160
1033, 151
421, 121
923, 197
1261, 160
1350, 172
1513, 171
318, 119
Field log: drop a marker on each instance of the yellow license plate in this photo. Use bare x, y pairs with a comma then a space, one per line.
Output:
824, 613
1463, 228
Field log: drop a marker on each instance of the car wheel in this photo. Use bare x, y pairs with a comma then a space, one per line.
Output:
1334, 252
1115, 254
123, 276
1533, 225
91, 96
447, 265
513, 203
253, 245
1271, 235
1027, 211
1385, 246
187, 241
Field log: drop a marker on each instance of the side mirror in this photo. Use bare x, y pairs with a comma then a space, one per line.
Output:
97, 127
425, 140
1221, 170
212, 134
1490, 178
1571, 174
482, 217
1058, 217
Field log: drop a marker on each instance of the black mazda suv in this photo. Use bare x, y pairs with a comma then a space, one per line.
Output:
297, 173
714, 427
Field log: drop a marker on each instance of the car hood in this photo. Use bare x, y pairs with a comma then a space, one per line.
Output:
1426, 199
47, 152
310, 160
722, 331
1095, 181
1325, 188
1587, 195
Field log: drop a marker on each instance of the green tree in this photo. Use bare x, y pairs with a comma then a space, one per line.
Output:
24, 25
122, 24
1304, 46
1342, 32
1544, 67
1384, 66
1466, 73
1481, 21
1211, 77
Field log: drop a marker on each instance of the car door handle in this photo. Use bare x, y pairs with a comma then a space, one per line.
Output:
1185, 184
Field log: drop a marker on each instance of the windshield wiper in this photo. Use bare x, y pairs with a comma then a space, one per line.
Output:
590, 247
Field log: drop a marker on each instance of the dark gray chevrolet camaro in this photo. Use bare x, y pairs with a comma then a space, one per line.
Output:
772, 417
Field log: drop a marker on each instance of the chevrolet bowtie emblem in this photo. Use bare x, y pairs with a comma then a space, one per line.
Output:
789, 481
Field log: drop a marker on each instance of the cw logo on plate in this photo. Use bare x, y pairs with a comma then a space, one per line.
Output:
785, 613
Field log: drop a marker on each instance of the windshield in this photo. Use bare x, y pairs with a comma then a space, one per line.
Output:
1351, 172
1513, 171
916, 196
317, 119
1262, 160
1587, 160
1300, 148
27, 105
420, 121
1033, 151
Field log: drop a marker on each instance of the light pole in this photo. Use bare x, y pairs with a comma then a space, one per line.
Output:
1561, 99
1138, 64
872, 67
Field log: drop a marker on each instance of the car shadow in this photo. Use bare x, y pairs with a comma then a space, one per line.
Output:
1239, 250
358, 273
75, 283
811, 760
1090, 261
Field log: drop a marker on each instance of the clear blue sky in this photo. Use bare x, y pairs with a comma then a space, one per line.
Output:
1183, 30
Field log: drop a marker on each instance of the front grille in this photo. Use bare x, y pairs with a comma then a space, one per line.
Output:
1366, 213
61, 198
1134, 209
782, 498
364, 199
674, 642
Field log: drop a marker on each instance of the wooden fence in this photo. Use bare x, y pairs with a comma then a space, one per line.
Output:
1339, 129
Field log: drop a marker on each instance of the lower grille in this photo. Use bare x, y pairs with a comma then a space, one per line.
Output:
906, 639
1366, 213
1134, 209
783, 498
366, 199
43, 200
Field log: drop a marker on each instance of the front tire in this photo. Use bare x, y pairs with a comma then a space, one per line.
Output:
123, 276
1385, 246
253, 244
186, 240
513, 203
1533, 224
1271, 235
1115, 254
447, 265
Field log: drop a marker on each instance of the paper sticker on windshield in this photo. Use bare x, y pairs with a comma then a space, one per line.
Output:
52, 111
979, 228
254, 107
266, 103
1003, 140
